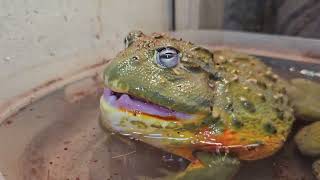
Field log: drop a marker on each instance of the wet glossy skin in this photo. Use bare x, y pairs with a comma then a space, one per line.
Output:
238, 104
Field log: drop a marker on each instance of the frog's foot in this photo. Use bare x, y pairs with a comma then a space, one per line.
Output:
210, 167
316, 169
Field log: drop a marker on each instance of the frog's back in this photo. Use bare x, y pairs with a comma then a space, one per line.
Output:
250, 104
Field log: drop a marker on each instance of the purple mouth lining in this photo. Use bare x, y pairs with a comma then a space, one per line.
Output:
130, 103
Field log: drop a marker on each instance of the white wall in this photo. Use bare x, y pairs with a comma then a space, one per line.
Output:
43, 39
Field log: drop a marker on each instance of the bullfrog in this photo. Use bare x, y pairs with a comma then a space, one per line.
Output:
214, 109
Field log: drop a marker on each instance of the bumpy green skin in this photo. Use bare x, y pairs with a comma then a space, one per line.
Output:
308, 139
316, 169
305, 96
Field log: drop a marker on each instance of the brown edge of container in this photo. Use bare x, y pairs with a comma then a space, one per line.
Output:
17, 103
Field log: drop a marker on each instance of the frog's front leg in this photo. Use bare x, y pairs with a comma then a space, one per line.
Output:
209, 166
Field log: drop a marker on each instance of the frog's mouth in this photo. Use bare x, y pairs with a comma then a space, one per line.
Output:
126, 102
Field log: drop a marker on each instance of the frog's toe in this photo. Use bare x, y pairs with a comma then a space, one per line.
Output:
316, 169
210, 167
308, 139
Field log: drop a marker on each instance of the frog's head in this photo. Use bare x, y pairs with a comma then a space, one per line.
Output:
158, 83
160, 71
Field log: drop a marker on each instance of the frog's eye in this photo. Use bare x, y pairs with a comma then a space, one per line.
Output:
167, 57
